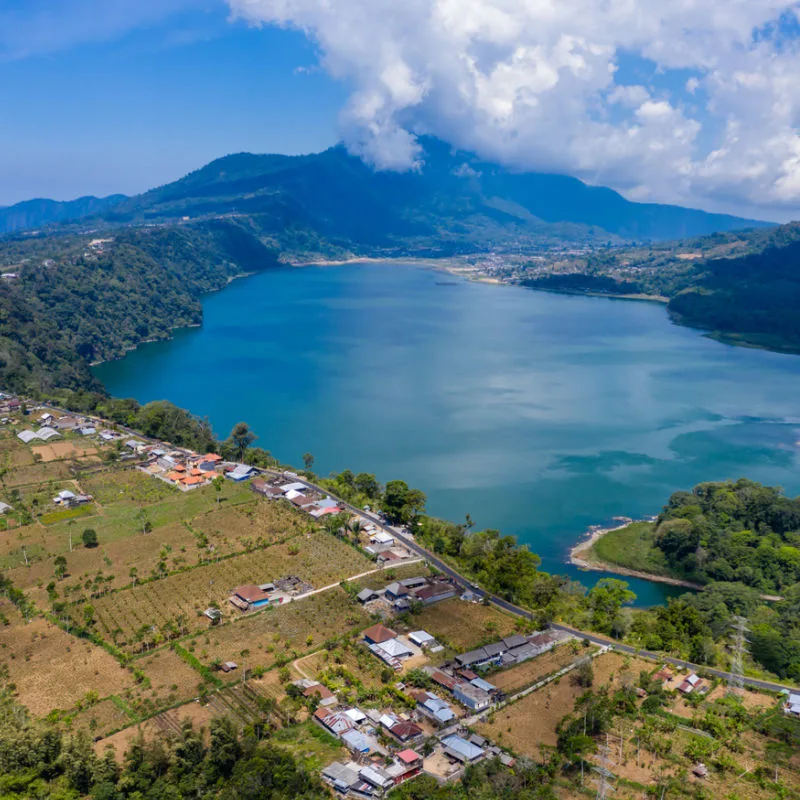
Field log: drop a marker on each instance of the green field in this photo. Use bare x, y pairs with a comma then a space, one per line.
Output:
631, 547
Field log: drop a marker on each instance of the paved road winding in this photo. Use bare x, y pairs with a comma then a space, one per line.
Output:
440, 565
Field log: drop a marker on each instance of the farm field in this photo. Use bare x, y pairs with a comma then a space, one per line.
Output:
523, 675
52, 669
69, 449
530, 723
316, 558
171, 680
282, 632
310, 744
463, 625
99, 719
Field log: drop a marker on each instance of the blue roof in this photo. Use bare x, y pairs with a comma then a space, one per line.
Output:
480, 683
462, 746
356, 740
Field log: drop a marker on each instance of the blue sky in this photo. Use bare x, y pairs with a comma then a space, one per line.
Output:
129, 110
691, 103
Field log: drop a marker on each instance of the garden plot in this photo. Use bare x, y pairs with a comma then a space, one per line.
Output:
37, 474
53, 670
171, 680
378, 580
128, 485
463, 625
514, 679
316, 558
69, 449
530, 724
234, 528
282, 632
101, 718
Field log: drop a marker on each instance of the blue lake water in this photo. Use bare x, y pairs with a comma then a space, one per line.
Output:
538, 414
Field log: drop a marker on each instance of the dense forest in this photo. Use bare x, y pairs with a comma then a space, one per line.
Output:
71, 301
740, 531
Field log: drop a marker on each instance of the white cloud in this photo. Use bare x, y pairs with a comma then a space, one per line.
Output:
534, 83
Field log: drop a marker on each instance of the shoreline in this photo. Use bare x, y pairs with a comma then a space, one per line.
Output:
578, 553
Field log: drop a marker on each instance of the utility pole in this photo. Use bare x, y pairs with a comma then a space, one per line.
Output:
604, 776
736, 677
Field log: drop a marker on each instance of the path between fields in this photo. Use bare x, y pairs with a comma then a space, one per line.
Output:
353, 578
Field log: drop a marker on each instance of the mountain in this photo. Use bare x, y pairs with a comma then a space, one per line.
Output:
38, 213
454, 202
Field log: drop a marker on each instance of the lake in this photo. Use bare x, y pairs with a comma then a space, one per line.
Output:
538, 414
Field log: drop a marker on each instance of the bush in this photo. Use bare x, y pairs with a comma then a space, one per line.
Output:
89, 537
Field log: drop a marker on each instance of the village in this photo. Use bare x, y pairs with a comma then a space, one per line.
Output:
263, 591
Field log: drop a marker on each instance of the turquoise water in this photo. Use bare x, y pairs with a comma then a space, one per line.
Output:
538, 414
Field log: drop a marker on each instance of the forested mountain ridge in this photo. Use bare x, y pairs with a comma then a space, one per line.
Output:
75, 301
454, 202
41, 212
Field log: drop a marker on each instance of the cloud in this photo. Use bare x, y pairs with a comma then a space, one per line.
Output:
538, 84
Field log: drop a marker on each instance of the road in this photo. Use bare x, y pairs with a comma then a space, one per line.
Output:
440, 565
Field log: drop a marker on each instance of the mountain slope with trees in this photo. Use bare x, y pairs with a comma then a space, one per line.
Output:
40, 212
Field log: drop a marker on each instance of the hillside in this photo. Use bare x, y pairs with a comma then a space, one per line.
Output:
454, 203
41, 212
74, 300
741, 287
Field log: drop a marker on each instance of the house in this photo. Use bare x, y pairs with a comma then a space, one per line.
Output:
229, 666
87, 430
434, 592
357, 716
134, 444
421, 639
214, 614
405, 731
335, 723
692, 683
393, 652
378, 634
462, 750
67, 423
293, 487
300, 500
356, 742
437, 709
250, 597
792, 706
414, 583
325, 696
376, 777
472, 658
516, 640
471, 696
396, 590
411, 760
65, 498
241, 472
366, 595
318, 513
260, 486
443, 679
341, 777
381, 540
484, 686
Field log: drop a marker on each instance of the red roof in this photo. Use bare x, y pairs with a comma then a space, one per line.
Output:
319, 690
405, 730
408, 756
443, 680
251, 593
321, 713
379, 634
211, 457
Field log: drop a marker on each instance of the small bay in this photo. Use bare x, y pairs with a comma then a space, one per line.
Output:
537, 414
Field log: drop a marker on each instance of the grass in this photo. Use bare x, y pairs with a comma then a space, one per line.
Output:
463, 625
310, 744
68, 513
632, 547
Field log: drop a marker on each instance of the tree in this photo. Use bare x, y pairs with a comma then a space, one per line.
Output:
242, 437
143, 517
60, 566
308, 460
217, 484
401, 504
89, 538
